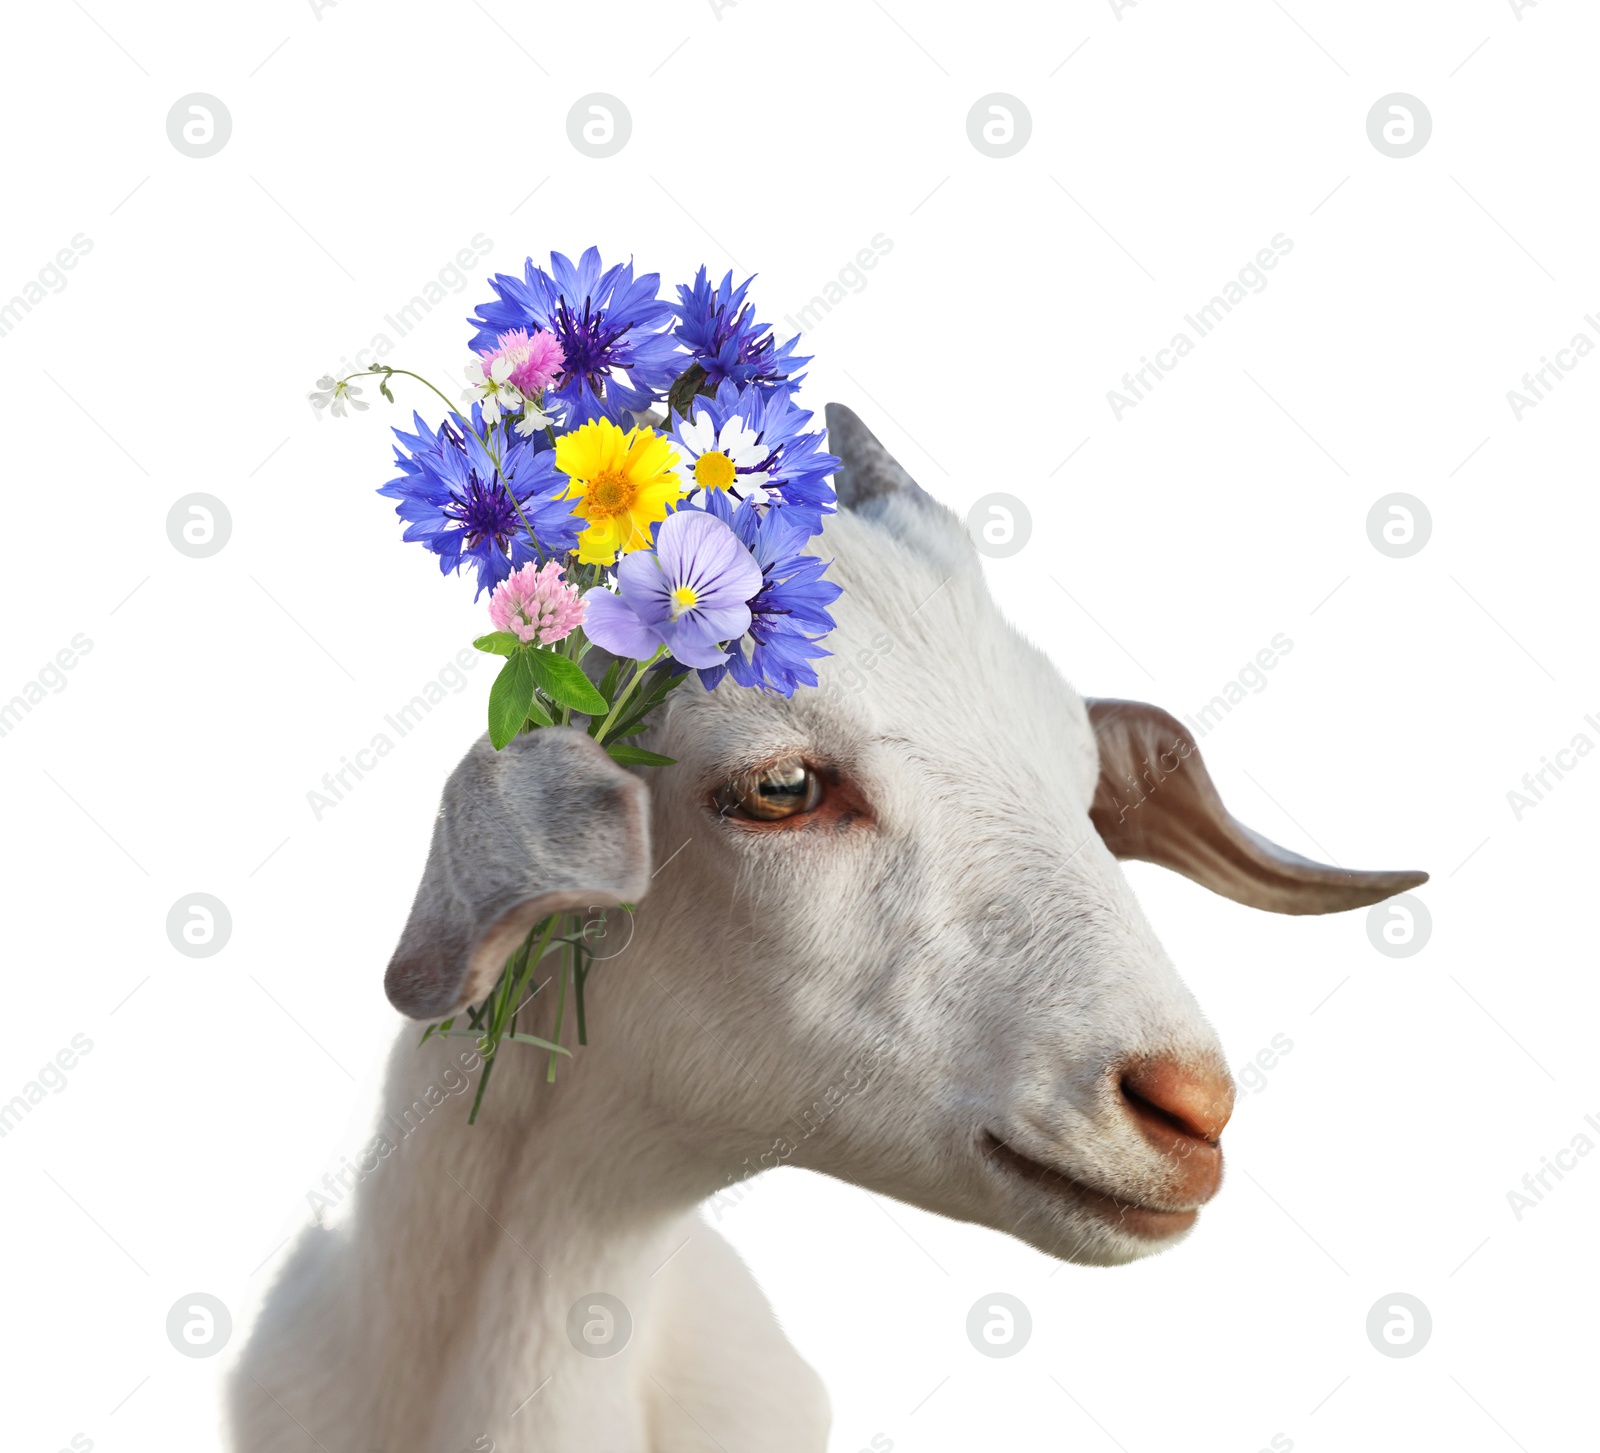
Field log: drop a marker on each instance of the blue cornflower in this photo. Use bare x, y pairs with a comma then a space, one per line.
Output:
609, 325
790, 610
753, 445
719, 329
455, 501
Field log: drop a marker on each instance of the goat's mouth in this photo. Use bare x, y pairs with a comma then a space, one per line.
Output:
1133, 1218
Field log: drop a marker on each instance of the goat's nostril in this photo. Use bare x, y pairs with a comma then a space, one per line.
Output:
1191, 1098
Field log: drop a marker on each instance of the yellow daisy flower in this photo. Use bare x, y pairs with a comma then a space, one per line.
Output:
623, 483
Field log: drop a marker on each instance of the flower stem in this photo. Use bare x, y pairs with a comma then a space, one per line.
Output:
549, 429
503, 1005
640, 667
483, 1084
561, 1004
582, 962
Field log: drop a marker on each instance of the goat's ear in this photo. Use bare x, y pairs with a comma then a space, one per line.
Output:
1156, 801
871, 484
547, 824
869, 475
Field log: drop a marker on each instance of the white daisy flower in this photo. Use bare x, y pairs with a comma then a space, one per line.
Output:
729, 458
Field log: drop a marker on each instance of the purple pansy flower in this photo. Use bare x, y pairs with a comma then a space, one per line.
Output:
689, 594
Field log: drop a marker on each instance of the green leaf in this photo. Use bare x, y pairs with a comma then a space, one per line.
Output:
563, 681
538, 715
633, 717
608, 689
683, 390
635, 713
656, 692
498, 643
542, 1043
637, 756
608, 682
510, 698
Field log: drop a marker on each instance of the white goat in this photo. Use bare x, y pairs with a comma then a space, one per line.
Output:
886, 937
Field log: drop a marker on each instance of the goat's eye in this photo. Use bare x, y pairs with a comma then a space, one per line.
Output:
785, 789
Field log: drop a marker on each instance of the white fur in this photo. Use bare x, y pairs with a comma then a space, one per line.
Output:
865, 1001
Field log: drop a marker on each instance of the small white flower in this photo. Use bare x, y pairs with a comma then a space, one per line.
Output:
495, 389
533, 420
333, 394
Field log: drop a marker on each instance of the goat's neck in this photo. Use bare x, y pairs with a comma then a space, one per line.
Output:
476, 1244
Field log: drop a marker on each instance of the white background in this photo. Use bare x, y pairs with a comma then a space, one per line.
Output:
1169, 144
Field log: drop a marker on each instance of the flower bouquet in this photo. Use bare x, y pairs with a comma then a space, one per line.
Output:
622, 472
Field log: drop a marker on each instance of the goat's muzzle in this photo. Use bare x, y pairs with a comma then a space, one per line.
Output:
1181, 1107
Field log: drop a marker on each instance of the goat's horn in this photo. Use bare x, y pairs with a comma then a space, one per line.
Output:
1155, 801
